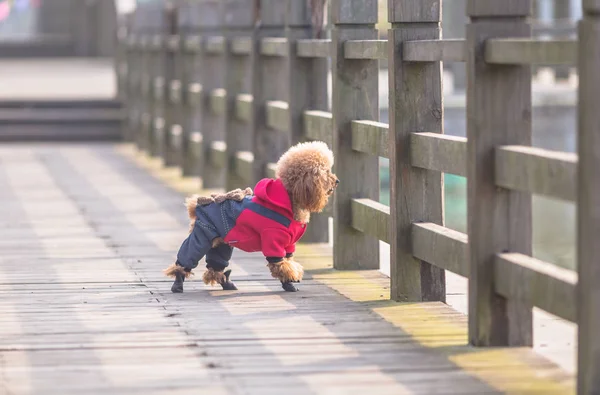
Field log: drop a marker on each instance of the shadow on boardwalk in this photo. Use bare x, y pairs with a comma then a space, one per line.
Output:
86, 309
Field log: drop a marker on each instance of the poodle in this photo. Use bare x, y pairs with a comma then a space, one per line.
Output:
270, 220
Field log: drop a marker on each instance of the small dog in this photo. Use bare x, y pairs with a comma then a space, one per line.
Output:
271, 220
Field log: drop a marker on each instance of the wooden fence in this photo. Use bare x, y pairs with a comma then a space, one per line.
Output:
222, 89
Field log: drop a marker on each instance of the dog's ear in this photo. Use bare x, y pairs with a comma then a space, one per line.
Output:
304, 192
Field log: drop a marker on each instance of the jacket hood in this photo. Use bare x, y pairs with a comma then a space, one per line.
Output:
274, 192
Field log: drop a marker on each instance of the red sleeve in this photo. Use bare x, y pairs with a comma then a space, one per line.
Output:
274, 242
291, 248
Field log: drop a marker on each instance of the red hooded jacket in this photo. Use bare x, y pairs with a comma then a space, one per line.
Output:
269, 226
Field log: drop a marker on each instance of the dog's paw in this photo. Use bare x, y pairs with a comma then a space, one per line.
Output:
177, 287
289, 287
229, 286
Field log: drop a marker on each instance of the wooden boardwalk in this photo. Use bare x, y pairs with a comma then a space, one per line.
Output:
86, 310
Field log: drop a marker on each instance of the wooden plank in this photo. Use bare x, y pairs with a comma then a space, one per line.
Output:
365, 49
370, 137
241, 45
273, 46
439, 152
243, 165
217, 99
538, 171
215, 45
501, 118
434, 51
355, 96
195, 95
408, 11
528, 51
277, 115
171, 72
416, 195
196, 146
588, 199
371, 217
318, 125
243, 107
174, 43
268, 86
209, 71
193, 44
313, 48
218, 154
175, 93
443, 247
306, 88
536, 283
508, 8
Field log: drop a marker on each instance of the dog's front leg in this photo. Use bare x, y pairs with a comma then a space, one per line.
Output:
287, 271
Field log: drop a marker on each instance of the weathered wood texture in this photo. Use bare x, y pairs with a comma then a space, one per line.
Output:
416, 194
365, 49
536, 283
498, 113
314, 48
440, 152
355, 96
306, 87
238, 20
268, 83
528, 51
91, 312
170, 154
538, 171
588, 214
434, 51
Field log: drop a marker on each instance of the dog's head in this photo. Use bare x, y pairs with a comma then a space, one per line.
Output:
305, 170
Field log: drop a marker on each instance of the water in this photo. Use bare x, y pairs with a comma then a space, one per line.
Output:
553, 220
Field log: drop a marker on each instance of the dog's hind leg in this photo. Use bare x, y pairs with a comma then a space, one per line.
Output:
217, 260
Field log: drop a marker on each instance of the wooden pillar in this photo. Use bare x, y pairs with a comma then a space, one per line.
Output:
132, 62
499, 220
267, 83
157, 89
562, 13
454, 28
355, 97
306, 88
238, 18
588, 214
209, 72
416, 195
172, 130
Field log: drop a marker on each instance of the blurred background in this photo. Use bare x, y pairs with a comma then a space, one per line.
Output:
64, 49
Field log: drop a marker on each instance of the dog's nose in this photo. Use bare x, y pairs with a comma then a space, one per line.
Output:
337, 181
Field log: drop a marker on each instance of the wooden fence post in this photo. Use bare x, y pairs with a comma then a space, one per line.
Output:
588, 249
170, 154
416, 195
210, 74
157, 91
355, 97
306, 88
499, 220
238, 19
267, 83
191, 90
159, 129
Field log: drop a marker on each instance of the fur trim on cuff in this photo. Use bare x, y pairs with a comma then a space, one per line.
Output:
213, 277
286, 270
174, 268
